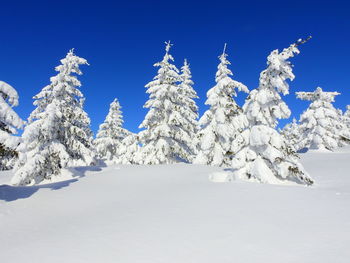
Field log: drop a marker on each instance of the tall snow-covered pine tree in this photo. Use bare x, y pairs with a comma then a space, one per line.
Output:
223, 122
266, 156
188, 109
58, 132
165, 138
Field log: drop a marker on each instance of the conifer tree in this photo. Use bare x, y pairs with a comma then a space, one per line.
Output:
110, 134
291, 133
266, 156
189, 109
129, 149
58, 132
320, 124
346, 122
347, 116
223, 122
9, 123
164, 138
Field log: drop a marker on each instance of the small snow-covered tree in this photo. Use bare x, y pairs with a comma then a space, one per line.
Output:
347, 116
223, 122
58, 132
346, 122
320, 124
110, 134
266, 156
165, 138
9, 123
344, 127
292, 134
129, 149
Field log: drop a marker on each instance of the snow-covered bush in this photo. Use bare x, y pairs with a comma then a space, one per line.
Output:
265, 155
9, 123
110, 134
223, 122
58, 132
166, 138
291, 133
321, 126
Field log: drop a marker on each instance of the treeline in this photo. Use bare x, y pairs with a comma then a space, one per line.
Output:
58, 135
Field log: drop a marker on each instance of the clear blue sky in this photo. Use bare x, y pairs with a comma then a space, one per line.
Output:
123, 39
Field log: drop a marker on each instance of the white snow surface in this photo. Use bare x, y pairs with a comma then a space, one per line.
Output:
174, 213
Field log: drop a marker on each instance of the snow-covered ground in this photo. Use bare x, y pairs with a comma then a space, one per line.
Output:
173, 213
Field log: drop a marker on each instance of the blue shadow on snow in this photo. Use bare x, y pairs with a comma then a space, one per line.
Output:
10, 193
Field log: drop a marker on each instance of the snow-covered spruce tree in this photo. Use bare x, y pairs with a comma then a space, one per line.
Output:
58, 132
345, 127
223, 122
110, 134
346, 121
9, 123
266, 156
347, 116
189, 109
291, 133
320, 125
165, 138
129, 149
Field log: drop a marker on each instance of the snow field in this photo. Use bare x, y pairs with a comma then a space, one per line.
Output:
174, 213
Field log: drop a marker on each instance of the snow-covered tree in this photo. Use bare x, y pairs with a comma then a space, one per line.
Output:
110, 134
346, 121
223, 122
320, 125
58, 132
9, 123
129, 150
266, 156
347, 116
292, 134
165, 138
189, 109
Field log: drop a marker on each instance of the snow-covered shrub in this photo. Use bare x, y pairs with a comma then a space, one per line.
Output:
110, 134
58, 132
223, 122
9, 123
321, 126
265, 155
165, 138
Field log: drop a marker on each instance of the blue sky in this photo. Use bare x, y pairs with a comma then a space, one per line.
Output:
122, 40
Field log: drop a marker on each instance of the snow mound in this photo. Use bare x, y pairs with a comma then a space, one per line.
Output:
221, 177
